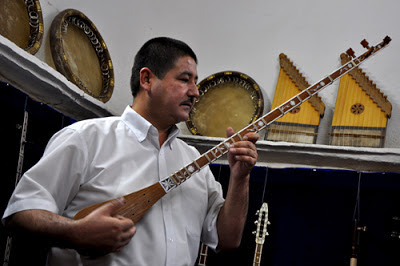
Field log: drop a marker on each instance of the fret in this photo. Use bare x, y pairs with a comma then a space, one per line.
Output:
197, 165
255, 129
175, 179
193, 167
215, 151
211, 153
261, 123
221, 148
180, 176
188, 173
208, 159
227, 144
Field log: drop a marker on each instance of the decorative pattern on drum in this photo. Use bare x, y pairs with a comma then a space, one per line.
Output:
81, 55
227, 99
22, 23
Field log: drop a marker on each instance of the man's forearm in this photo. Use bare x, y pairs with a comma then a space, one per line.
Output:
232, 217
57, 229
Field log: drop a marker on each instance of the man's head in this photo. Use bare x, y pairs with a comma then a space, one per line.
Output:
159, 55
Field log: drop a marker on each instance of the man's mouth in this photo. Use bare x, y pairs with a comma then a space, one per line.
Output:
188, 103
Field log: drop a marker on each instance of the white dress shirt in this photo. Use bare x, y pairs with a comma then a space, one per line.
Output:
99, 159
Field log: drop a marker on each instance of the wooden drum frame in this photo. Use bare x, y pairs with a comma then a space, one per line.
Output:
81, 55
22, 23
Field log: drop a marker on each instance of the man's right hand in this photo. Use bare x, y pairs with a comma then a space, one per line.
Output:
97, 234
101, 232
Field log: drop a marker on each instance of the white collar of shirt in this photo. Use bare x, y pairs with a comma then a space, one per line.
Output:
143, 128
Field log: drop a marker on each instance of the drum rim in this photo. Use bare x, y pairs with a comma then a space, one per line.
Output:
201, 87
34, 12
60, 58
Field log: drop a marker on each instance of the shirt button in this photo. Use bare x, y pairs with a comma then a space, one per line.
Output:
170, 240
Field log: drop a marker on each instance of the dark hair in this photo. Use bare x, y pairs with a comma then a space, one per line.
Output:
159, 55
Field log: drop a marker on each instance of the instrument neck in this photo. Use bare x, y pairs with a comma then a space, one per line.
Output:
257, 255
203, 255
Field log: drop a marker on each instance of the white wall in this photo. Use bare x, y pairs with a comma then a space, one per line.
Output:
248, 36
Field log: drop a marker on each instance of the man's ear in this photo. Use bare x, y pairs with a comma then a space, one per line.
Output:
145, 78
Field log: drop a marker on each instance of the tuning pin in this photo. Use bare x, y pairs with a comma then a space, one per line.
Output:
387, 39
362, 228
350, 53
364, 43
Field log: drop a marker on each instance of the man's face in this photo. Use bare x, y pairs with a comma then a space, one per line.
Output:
175, 94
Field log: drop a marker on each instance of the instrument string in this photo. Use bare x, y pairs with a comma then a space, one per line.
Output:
265, 185
356, 214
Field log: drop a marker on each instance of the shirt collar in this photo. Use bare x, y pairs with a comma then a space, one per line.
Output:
143, 128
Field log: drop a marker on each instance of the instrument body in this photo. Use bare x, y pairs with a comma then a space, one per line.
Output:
137, 203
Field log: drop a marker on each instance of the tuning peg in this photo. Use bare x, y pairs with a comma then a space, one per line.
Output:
254, 232
257, 212
387, 40
268, 222
350, 53
365, 44
362, 228
255, 222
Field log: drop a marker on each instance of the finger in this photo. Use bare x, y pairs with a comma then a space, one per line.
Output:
126, 224
242, 154
252, 137
111, 207
243, 145
229, 132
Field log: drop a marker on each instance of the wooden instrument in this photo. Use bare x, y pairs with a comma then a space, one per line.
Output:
361, 111
356, 242
81, 55
22, 23
261, 232
137, 203
300, 124
203, 255
227, 99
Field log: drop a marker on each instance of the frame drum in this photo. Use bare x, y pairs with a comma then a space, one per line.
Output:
81, 55
227, 99
21, 22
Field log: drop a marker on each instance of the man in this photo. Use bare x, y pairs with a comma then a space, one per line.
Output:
100, 159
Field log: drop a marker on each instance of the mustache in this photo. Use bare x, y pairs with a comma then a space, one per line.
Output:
190, 101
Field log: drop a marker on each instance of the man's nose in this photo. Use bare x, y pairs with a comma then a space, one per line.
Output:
193, 90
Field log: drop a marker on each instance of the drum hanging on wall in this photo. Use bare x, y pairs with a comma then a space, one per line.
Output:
22, 23
81, 55
227, 99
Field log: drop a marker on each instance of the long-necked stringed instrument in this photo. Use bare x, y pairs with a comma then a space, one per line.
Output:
261, 232
137, 203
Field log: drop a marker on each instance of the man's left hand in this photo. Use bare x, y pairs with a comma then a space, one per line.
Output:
242, 155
